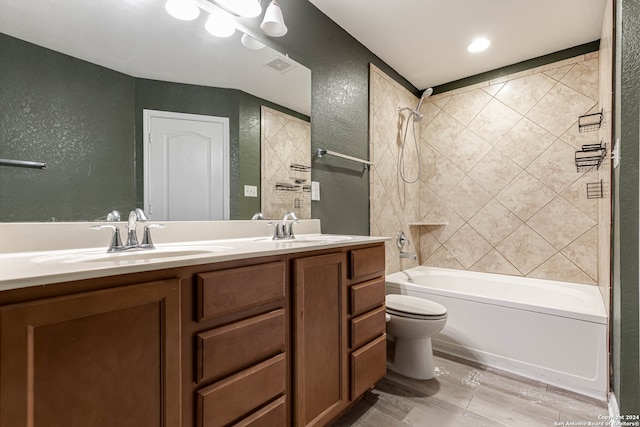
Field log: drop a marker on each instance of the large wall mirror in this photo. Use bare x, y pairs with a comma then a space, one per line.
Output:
75, 77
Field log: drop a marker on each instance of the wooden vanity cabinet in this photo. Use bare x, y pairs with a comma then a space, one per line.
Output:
367, 321
101, 358
320, 338
338, 331
285, 340
240, 328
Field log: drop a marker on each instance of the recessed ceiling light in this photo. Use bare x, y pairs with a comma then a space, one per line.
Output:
478, 45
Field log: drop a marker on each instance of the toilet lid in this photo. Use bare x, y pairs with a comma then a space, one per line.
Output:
414, 305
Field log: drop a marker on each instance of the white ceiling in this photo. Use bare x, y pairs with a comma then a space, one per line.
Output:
139, 38
426, 40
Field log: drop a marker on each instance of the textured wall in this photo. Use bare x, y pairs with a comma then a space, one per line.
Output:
498, 170
75, 116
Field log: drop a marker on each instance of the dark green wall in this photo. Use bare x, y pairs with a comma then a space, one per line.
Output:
75, 116
625, 321
339, 111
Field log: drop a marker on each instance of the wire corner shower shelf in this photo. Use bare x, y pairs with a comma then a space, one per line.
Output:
590, 122
590, 157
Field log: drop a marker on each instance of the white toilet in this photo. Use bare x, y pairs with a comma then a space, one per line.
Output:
413, 322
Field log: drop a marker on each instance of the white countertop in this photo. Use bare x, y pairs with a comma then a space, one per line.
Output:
43, 267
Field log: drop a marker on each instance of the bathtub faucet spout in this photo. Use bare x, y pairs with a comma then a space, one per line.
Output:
408, 255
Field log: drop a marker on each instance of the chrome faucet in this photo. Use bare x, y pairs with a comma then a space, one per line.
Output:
132, 236
258, 216
284, 230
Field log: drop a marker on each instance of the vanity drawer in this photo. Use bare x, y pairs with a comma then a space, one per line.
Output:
225, 401
272, 415
366, 296
225, 350
236, 289
367, 262
368, 365
368, 326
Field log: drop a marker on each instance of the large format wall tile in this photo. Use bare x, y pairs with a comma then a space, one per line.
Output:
499, 190
285, 141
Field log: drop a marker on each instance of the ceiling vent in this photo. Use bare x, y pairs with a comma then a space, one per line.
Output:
280, 64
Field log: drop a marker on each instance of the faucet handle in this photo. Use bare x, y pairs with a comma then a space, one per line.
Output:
278, 230
146, 237
289, 231
113, 216
402, 240
116, 242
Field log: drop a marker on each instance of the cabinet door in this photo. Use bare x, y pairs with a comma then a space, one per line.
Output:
103, 358
320, 334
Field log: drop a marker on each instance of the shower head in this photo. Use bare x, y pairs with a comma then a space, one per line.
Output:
427, 93
417, 116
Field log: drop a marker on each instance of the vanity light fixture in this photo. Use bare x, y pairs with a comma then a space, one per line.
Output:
222, 12
183, 10
478, 45
220, 24
273, 22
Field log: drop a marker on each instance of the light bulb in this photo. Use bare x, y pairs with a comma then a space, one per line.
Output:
220, 24
182, 9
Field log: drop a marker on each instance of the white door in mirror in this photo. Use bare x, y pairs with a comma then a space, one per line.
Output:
186, 166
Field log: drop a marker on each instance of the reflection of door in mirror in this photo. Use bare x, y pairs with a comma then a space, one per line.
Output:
286, 164
186, 166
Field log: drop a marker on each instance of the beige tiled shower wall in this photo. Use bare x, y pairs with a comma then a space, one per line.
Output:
285, 141
498, 171
394, 203
604, 174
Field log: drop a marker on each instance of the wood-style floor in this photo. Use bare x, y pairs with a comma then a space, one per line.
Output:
475, 396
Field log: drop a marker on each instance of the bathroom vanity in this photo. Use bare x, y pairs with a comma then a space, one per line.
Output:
263, 333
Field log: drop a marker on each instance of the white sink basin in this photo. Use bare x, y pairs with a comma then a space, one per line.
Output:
312, 238
131, 256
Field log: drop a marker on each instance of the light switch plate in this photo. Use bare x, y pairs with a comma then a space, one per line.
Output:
250, 191
315, 191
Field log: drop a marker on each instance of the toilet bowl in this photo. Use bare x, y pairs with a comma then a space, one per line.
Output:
413, 322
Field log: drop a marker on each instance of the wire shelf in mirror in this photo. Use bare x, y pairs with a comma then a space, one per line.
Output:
590, 122
590, 157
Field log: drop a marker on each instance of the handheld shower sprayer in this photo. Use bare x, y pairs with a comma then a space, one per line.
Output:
417, 116
416, 112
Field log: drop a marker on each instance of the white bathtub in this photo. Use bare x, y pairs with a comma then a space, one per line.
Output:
554, 332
